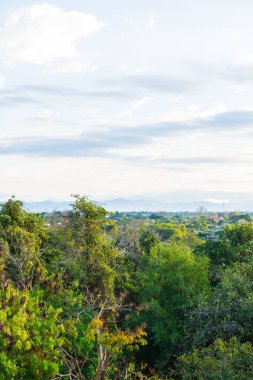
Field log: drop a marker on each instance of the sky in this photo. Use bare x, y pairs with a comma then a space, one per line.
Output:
126, 99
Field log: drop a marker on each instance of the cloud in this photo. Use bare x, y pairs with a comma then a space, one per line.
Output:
151, 23
137, 67
229, 120
126, 88
49, 90
139, 103
72, 67
102, 142
44, 33
2, 81
54, 147
183, 161
198, 160
142, 25
154, 82
240, 72
161, 83
61, 91
10, 101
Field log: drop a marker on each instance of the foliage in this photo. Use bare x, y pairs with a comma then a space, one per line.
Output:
234, 245
221, 361
85, 294
83, 249
229, 311
22, 235
174, 281
31, 334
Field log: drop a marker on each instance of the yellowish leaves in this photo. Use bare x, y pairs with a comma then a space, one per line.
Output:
97, 323
115, 341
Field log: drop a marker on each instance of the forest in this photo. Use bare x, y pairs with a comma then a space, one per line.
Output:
88, 294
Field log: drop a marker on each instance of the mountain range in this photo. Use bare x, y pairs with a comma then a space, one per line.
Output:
128, 205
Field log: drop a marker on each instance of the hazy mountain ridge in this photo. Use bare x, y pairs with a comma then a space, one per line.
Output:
127, 205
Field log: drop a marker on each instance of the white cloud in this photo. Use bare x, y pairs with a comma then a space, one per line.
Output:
246, 59
142, 25
72, 67
137, 104
43, 33
151, 23
2, 81
139, 67
239, 88
141, 102
188, 112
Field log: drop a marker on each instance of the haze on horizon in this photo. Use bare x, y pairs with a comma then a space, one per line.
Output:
124, 99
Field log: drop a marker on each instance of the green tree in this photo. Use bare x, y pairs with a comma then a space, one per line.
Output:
235, 245
221, 361
174, 281
84, 251
22, 235
31, 335
229, 311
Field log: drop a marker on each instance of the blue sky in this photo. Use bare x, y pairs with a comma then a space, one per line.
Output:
125, 99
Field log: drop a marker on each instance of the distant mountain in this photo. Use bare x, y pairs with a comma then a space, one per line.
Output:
133, 205
150, 205
47, 206
146, 205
